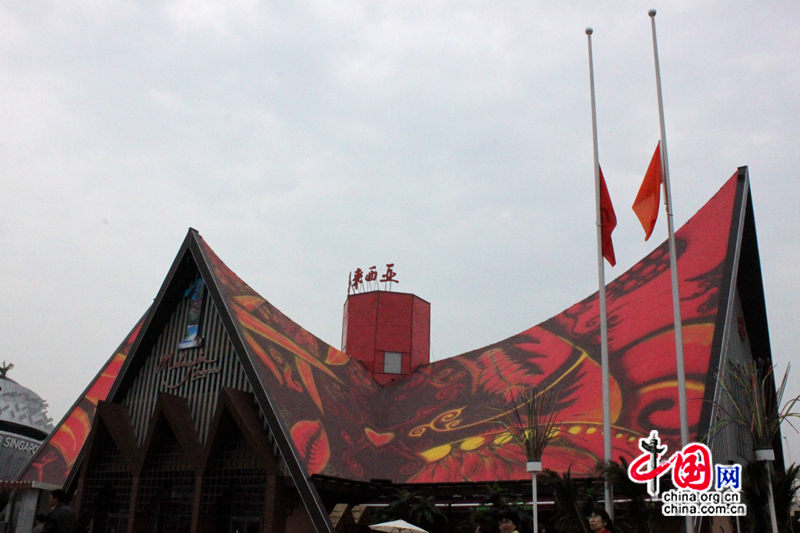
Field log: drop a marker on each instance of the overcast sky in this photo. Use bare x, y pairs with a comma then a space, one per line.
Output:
306, 139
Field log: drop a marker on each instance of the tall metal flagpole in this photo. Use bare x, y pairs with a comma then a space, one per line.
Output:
601, 278
673, 263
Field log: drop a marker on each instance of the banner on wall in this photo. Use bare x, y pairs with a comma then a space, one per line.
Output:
196, 293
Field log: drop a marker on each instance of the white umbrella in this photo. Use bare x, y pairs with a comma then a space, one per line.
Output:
397, 526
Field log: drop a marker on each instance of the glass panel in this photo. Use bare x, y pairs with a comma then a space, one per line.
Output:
393, 362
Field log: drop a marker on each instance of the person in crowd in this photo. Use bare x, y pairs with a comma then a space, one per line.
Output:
600, 522
506, 524
61, 518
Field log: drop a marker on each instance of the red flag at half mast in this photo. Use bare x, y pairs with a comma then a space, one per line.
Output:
608, 220
646, 204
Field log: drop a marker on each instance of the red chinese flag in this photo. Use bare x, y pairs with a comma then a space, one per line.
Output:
646, 204
609, 221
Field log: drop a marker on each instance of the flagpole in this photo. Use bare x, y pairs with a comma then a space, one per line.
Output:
673, 263
601, 278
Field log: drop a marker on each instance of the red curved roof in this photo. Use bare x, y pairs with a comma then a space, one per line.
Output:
438, 424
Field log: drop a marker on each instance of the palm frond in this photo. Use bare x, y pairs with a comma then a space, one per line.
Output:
568, 497
748, 403
530, 417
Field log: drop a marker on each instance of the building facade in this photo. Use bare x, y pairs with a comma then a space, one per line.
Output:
219, 413
24, 425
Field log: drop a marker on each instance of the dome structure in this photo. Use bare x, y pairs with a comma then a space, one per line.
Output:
24, 425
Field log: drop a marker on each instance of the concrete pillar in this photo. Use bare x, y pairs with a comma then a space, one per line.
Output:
26, 510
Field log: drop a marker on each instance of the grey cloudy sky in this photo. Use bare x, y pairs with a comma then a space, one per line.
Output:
305, 139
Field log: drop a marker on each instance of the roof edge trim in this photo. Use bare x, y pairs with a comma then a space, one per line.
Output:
731, 273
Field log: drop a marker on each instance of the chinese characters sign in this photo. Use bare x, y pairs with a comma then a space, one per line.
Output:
362, 281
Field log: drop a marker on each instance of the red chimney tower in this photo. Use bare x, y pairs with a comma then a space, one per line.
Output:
390, 332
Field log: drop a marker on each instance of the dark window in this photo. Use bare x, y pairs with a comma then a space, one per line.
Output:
234, 484
106, 492
167, 483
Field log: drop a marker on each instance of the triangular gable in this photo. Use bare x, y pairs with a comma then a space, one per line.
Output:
744, 328
751, 286
237, 408
189, 264
751, 291
114, 420
438, 424
172, 417
55, 459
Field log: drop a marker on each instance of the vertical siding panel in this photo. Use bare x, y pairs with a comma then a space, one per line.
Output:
202, 395
212, 382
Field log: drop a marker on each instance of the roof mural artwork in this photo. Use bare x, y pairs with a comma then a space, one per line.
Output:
55, 459
439, 424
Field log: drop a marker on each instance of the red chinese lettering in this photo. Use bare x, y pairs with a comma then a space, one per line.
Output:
358, 278
390, 274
